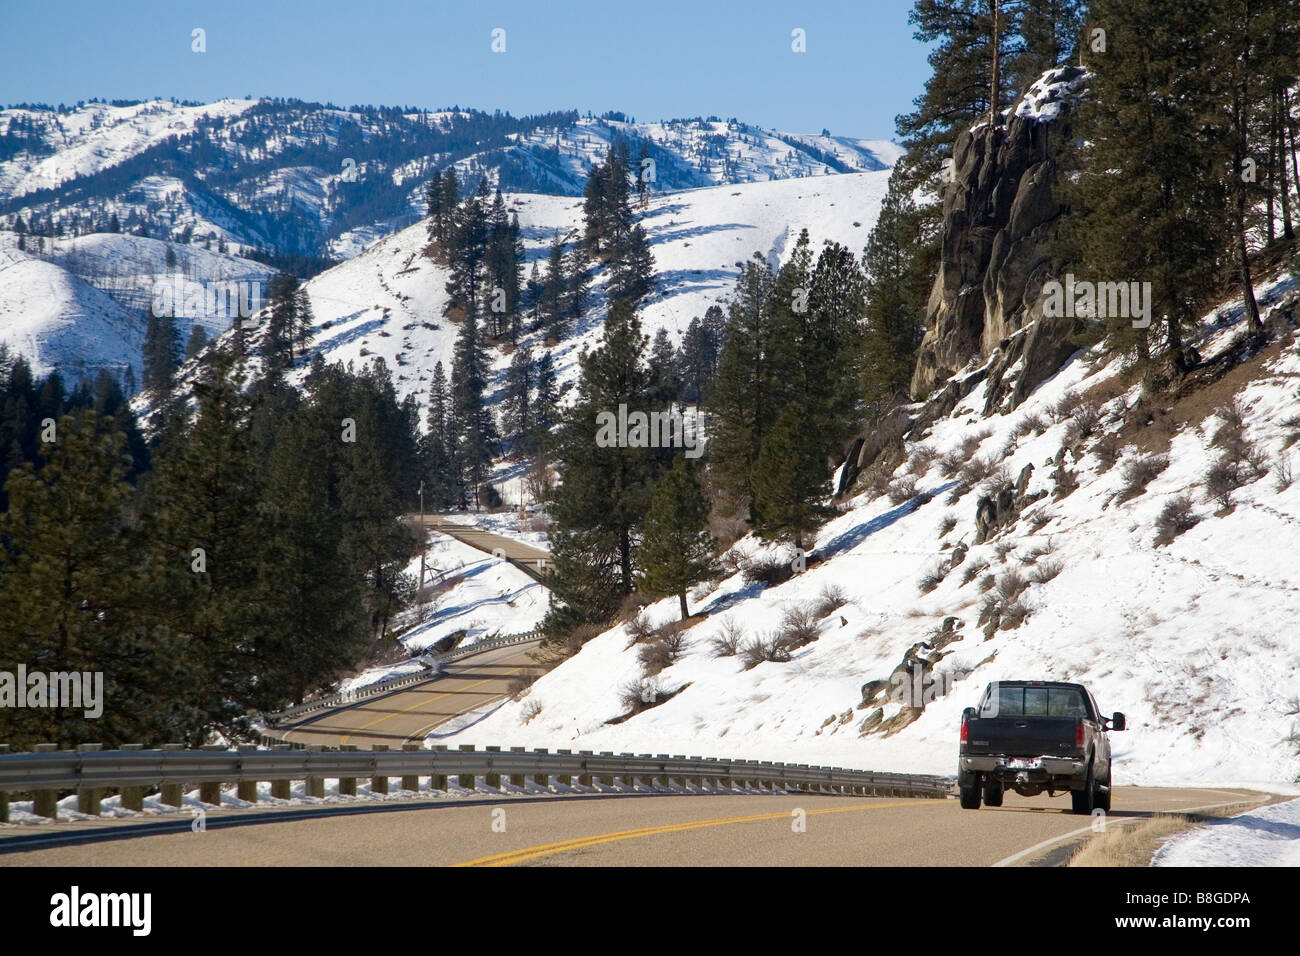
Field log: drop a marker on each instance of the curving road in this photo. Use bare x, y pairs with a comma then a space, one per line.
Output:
409, 714
658, 830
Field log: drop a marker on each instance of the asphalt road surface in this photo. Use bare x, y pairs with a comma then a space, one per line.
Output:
407, 715
526, 554
658, 830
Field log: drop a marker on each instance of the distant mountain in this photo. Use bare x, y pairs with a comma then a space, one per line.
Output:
305, 179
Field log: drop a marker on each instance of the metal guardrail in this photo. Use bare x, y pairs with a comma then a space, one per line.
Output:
90, 770
432, 663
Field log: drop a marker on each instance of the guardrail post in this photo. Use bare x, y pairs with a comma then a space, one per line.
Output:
564, 778
88, 797
379, 783
45, 803
466, 780
281, 789
246, 790
518, 779
173, 794
132, 798
314, 785
698, 780
542, 779
439, 780
607, 779
661, 779
211, 792
411, 782
348, 785
493, 780
584, 779
4, 794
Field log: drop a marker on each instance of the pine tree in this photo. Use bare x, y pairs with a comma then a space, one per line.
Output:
195, 343
677, 550
893, 287
791, 481
1147, 200
518, 412
476, 435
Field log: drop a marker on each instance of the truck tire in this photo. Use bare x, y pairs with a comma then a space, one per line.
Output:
1081, 801
970, 797
993, 794
1102, 799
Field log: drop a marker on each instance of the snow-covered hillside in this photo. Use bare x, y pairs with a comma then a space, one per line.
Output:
80, 305
1191, 639
388, 301
310, 178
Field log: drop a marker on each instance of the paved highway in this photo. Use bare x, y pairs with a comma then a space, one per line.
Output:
409, 714
658, 830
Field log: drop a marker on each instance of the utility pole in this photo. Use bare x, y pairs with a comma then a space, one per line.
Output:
424, 541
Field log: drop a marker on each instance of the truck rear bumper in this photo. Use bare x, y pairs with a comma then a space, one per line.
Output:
1044, 768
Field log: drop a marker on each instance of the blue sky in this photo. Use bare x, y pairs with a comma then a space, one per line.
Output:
653, 60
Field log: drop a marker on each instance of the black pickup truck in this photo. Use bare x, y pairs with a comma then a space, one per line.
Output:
1032, 735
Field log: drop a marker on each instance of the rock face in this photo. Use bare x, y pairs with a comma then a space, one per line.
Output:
999, 215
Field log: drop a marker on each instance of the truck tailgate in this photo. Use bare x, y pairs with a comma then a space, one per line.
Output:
1022, 736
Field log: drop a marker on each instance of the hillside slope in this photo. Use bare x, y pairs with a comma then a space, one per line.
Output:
1191, 639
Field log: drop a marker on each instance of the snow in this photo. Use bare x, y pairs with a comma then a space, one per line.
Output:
478, 594
1268, 836
388, 301
1192, 641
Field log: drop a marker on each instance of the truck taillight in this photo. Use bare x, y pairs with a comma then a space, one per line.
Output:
965, 730
1078, 734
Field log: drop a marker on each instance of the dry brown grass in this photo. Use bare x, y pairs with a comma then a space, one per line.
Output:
1135, 844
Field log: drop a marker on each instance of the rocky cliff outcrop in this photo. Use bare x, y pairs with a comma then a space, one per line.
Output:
999, 216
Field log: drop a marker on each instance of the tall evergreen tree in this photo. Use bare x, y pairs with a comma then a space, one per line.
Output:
677, 552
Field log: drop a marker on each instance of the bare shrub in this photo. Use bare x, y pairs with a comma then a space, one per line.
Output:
1013, 615
977, 470
665, 650
579, 636
1039, 519
951, 463
1138, 472
830, 599
1292, 426
1044, 571
922, 457
998, 479
640, 629
1107, 450
902, 490
798, 627
946, 525
1066, 405
530, 710
971, 443
1084, 420
1282, 473
959, 490
1004, 548
726, 643
1031, 556
1231, 433
632, 604
1010, 585
761, 649
521, 683
972, 571
636, 695
876, 484
1031, 424
931, 579
769, 570
987, 582
1178, 515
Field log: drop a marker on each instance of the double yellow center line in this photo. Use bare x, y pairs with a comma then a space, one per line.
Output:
581, 843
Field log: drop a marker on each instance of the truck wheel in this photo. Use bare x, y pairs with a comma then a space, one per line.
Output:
1102, 799
1081, 800
970, 798
993, 794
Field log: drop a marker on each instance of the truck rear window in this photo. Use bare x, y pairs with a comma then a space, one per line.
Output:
1018, 701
